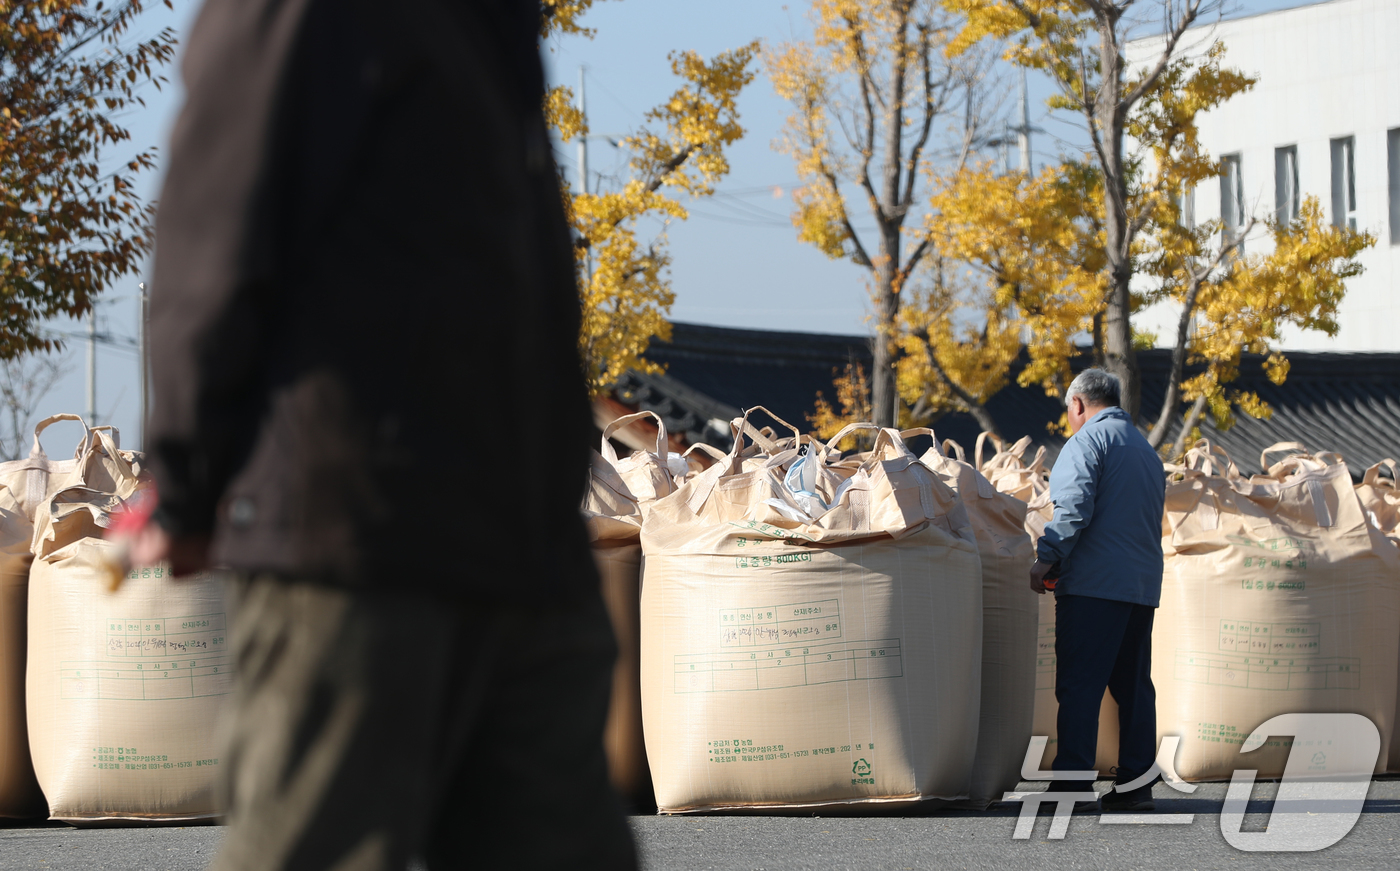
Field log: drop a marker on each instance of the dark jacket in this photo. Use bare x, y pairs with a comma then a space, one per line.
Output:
363, 316
1108, 487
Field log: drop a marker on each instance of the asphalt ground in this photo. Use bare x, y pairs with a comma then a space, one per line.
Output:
944, 839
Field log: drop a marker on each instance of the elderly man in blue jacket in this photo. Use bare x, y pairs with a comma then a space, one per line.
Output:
1104, 551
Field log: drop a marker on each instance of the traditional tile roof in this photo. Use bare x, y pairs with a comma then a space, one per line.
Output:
713, 372
1349, 403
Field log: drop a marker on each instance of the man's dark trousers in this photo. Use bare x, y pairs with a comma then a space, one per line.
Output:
1103, 643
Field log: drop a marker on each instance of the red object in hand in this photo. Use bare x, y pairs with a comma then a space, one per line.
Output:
135, 513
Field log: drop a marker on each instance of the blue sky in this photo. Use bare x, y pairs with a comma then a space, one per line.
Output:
736, 262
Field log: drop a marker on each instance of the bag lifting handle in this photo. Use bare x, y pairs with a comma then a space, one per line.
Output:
914, 432
714, 453
37, 471
999, 442
846, 430
662, 443
38, 450
1279, 448
1373, 474
108, 437
1203, 451
945, 448
742, 425
957, 450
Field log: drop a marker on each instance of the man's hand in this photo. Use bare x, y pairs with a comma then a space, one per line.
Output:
1039, 569
151, 544
140, 541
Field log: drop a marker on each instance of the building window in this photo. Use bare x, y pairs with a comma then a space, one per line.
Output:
1231, 199
1392, 141
1286, 183
1344, 182
1185, 202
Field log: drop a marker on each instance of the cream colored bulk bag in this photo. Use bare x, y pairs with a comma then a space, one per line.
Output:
1009, 614
612, 508
799, 656
1381, 499
1279, 597
124, 687
1008, 471
24, 484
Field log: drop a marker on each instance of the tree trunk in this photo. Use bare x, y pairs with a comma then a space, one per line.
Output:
1164, 417
1178, 368
884, 393
1119, 357
889, 218
1179, 447
978, 411
984, 418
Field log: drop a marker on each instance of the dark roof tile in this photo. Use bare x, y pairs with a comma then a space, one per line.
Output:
1349, 403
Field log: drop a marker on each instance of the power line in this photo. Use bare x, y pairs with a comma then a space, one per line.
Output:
110, 339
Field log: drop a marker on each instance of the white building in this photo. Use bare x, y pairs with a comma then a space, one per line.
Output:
1324, 121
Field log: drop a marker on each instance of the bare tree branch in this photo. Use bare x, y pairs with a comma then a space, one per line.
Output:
1198, 278
911, 169
973, 407
24, 382
1174, 34
868, 94
1192, 419
915, 257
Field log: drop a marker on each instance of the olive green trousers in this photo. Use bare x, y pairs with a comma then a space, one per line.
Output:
368, 730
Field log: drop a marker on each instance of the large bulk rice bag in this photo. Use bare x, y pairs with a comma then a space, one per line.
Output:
1279, 598
1009, 614
811, 633
24, 484
612, 508
124, 687
1381, 499
1009, 472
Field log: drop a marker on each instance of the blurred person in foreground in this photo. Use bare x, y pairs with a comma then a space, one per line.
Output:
369, 405
1105, 544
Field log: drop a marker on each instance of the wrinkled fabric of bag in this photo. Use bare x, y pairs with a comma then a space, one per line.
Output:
1010, 612
1280, 597
24, 486
810, 663
1381, 499
123, 688
618, 491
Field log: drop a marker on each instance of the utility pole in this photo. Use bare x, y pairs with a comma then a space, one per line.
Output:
583, 138
1023, 133
143, 351
92, 366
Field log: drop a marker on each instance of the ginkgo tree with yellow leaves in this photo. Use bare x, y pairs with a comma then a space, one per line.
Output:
1043, 244
1227, 302
1032, 248
870, 93
1080, 45
957, 347
679, 152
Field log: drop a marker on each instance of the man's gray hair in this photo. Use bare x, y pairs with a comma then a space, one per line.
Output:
1096, 387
